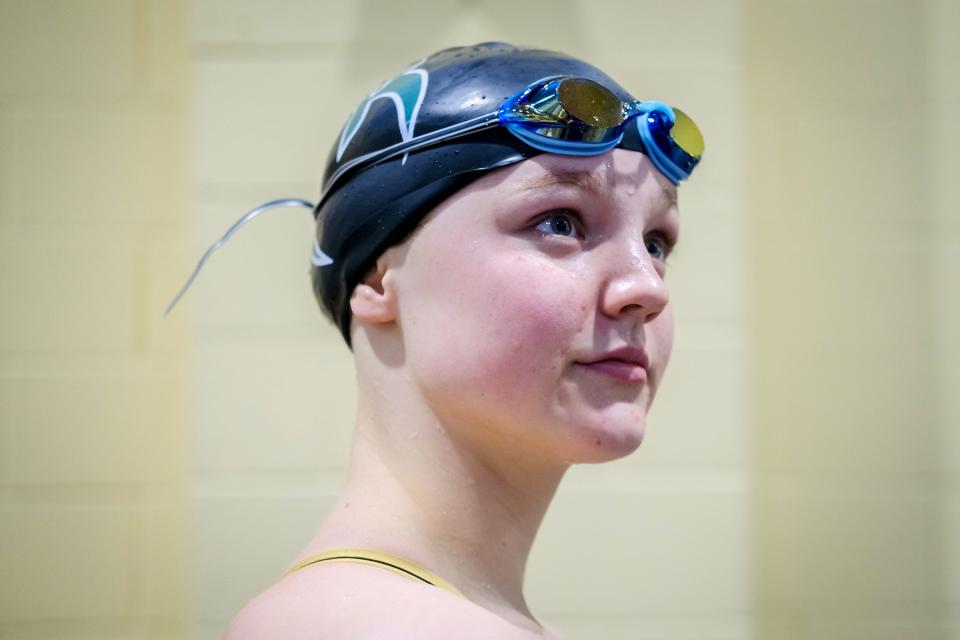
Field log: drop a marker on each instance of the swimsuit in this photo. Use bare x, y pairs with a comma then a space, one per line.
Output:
380, 559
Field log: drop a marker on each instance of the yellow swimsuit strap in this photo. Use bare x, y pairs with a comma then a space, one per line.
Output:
380, 559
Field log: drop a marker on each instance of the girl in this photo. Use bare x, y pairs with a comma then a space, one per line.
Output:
492, 238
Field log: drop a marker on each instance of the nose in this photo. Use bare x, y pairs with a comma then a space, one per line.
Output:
635, 288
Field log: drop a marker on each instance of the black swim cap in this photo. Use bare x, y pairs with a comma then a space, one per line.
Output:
373, 208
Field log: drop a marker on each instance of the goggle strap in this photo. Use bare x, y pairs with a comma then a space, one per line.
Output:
406, 146
247, 217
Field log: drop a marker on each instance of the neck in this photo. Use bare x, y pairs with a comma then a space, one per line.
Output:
467, 510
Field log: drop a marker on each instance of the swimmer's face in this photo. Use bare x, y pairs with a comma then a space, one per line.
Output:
510, 287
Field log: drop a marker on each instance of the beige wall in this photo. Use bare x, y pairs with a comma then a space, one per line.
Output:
801, 473
942, 51
853, 270
92, 229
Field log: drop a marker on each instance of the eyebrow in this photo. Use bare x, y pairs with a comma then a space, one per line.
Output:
586, 180
669, 199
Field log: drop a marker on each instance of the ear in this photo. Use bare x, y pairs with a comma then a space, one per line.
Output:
374, 298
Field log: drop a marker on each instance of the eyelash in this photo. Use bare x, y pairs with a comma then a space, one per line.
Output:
557, 213
666, 244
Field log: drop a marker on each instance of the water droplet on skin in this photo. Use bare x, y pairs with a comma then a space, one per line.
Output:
414, 434
632, 189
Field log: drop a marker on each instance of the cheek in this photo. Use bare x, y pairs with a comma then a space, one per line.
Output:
659, 348
663, 327
500, 326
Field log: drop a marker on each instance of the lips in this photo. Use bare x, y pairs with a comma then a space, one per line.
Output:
628, 364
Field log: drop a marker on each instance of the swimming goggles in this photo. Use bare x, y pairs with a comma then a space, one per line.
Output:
568, 115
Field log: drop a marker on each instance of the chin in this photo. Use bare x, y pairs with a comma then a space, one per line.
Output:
610, 440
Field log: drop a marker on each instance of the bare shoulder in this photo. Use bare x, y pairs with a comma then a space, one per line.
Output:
340, 600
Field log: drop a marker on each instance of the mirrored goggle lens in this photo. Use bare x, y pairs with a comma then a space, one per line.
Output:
686, 134
570, 109
591, 103
566, 102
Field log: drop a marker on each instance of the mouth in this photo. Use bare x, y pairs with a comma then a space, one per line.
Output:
627, 364
621, 370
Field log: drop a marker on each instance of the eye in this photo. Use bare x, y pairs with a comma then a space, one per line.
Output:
560, 222
659, 246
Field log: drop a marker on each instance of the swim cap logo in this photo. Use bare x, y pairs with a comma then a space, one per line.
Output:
405, 91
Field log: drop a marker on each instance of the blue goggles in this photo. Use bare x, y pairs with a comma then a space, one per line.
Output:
568, 115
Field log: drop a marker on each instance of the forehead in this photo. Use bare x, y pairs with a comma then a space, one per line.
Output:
620, 175
603, 176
